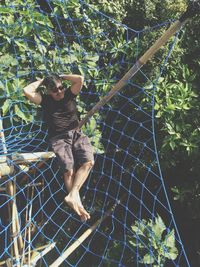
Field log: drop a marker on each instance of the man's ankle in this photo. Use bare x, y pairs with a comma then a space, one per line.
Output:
74, 191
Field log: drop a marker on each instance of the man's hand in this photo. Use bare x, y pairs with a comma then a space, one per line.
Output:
76, 80
31, 93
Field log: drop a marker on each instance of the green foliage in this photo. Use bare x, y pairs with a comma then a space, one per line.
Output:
176, 106
31, 34
115, 9
152, 242
147, 13
20, 35
34, 46
29, 49
32, 43
155, 246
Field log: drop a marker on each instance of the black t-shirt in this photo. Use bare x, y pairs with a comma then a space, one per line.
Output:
60, 116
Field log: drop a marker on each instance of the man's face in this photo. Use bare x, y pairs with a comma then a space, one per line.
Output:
57, 92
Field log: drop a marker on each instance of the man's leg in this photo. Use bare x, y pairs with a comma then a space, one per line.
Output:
73, 198
68, 179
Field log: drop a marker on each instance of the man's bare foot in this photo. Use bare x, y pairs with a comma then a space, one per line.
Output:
83, 217
73, 201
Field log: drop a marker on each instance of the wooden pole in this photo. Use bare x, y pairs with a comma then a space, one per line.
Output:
29, 227
25, 232
14, 233
136, 67
36, 254
31, 157
87, 233
10, 238
19, 239
11, 191
36, 258
23, 158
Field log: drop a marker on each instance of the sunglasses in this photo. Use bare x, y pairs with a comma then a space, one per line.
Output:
56, 89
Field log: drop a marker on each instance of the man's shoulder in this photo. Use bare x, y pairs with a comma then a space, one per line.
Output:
69, 94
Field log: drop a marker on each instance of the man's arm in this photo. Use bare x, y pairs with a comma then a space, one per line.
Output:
31, 93
76, 80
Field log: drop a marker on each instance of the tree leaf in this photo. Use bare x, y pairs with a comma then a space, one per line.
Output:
20, 113
158, 227
6, 106
170, 239
148, 259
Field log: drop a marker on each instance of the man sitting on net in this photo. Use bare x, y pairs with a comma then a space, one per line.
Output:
72, 148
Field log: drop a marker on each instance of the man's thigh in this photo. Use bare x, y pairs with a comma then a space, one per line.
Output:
63, 152
82, 149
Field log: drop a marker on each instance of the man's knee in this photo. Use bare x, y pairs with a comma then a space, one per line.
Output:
89, 164
69, 174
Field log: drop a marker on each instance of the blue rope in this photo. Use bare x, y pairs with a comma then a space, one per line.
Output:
128, 165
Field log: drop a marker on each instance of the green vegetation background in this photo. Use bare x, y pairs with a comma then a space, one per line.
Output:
177, 107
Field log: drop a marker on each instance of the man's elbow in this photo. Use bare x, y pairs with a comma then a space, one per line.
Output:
81, 80
26, 92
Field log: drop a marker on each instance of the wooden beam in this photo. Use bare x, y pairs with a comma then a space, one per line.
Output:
23, 158
31, 157
135, 68
36, 255
13, 219
15, 236
87, 233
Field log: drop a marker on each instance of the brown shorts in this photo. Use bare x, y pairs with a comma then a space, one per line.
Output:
72, 149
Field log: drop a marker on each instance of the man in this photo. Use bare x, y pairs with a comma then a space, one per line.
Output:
73, 149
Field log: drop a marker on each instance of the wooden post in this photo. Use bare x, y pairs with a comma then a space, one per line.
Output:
23, 158
87, 233
12, 208
29, 227
36, 254
13, 231
136, 67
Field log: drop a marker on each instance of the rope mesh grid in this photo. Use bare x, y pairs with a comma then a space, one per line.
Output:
126, 178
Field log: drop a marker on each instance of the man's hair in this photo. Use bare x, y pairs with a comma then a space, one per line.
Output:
51, 80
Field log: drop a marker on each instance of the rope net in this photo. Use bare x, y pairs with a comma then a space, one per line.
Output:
131, 220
